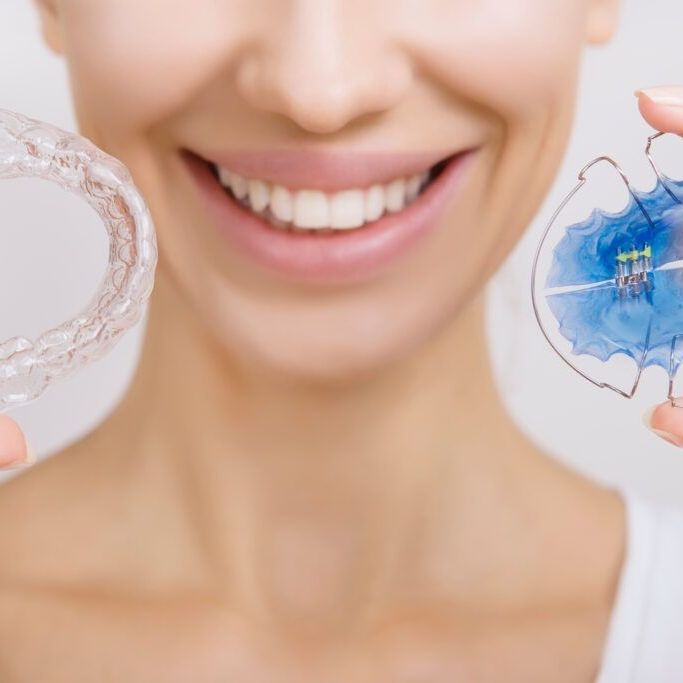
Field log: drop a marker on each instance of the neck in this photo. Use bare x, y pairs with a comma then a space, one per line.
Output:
314, 502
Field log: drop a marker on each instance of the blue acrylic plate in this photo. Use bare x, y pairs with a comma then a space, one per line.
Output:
607, 289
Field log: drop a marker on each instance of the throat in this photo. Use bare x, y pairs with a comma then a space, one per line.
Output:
321, 509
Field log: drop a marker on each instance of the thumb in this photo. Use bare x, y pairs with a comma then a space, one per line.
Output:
14, 449
666, 421
662, 107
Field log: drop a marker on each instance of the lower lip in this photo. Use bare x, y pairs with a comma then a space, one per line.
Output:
339, 257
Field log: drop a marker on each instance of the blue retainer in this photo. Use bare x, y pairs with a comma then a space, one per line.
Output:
616, 280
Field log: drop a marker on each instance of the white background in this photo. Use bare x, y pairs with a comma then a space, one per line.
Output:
49, 268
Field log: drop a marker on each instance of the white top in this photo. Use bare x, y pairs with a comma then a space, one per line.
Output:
645, 637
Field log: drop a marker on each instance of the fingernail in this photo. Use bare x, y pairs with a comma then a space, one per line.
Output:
668, 95
667, 436
30, 454
647, 417
29, 460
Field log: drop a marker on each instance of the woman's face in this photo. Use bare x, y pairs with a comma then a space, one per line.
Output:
180, 88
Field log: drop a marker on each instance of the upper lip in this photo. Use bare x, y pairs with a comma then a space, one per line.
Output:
326, 170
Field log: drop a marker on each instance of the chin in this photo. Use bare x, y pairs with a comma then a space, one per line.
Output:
328, 365
347, 352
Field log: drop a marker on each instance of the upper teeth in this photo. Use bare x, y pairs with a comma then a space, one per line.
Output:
316, 209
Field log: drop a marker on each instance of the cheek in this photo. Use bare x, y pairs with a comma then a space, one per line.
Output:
506, 57
137, 63
516, 63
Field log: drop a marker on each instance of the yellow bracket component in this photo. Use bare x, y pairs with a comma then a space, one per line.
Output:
633, 255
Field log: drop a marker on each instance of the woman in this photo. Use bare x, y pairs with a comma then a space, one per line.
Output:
312, 477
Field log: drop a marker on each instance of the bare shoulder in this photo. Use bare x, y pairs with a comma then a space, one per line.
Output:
55, 547
53, 519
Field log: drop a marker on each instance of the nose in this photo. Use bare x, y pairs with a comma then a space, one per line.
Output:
324, 65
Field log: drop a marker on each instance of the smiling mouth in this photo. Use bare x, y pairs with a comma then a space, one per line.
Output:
318, 212
345, 217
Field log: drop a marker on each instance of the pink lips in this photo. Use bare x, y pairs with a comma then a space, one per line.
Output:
338, 257
326, 170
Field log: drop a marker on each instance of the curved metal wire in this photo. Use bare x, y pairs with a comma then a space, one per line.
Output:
673, 370
673, 366
648, 154
551, 222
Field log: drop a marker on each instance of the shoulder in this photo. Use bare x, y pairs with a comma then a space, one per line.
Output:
647, 623
663, 585
51, 522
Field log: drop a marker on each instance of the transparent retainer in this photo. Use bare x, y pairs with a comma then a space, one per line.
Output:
607, 277
30, 148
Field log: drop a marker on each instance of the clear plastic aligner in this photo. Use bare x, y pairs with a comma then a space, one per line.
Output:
30, 148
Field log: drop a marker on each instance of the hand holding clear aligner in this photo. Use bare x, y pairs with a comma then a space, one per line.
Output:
30, 148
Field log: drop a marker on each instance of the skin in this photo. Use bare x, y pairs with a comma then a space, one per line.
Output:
291, 491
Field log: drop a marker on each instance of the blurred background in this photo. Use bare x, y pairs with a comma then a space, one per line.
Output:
53, 253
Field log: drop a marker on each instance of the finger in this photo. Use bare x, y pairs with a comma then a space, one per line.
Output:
666, 421
14, 449
662, 107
